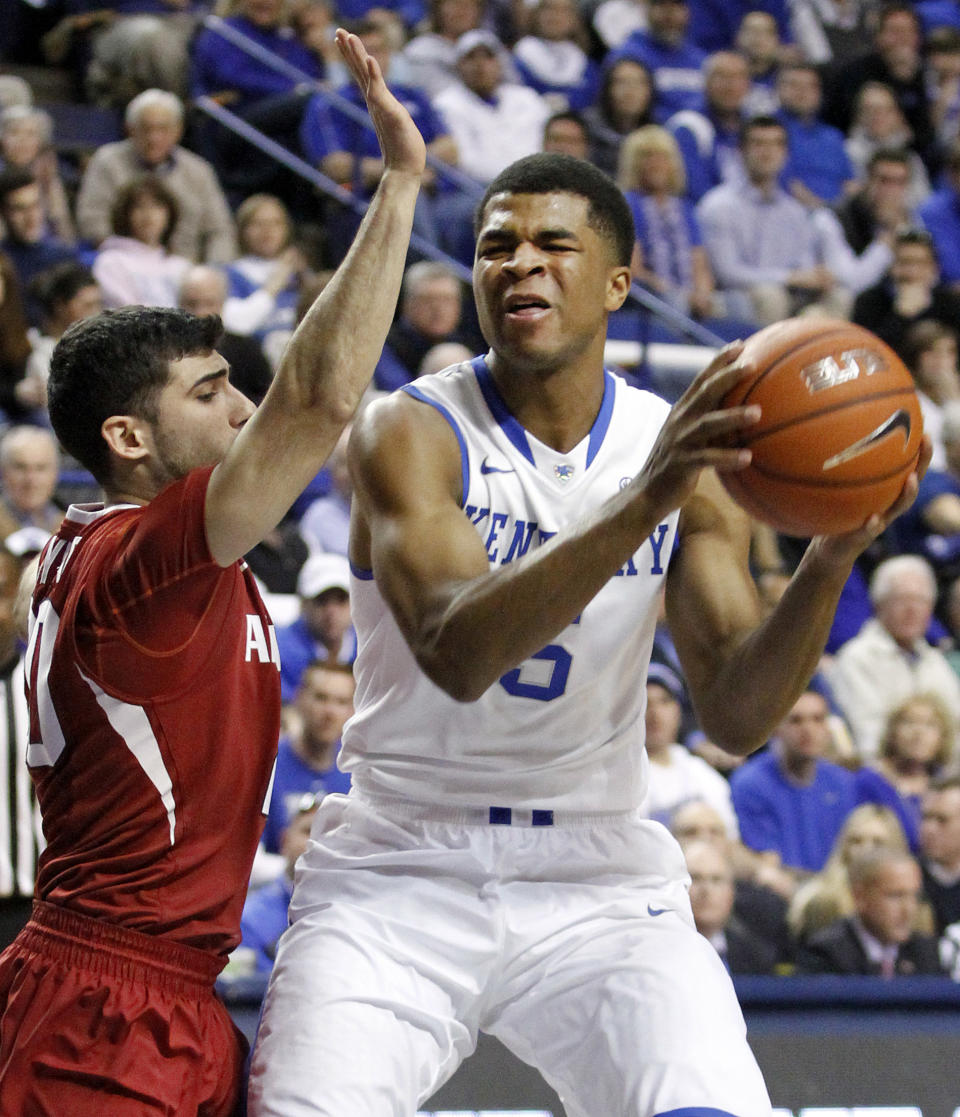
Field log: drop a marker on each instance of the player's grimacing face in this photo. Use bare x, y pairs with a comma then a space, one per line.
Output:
544, 280
199, 414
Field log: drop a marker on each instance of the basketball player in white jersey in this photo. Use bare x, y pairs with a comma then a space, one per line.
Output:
514, 519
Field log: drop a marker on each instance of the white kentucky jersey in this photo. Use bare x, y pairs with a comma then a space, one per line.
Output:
564, 730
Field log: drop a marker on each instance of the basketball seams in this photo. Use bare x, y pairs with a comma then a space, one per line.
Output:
833, 409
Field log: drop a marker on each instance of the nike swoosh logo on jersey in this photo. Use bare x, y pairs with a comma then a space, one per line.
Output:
651, 910
484, 468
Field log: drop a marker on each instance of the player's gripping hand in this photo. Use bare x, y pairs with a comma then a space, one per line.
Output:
698, 433
399, 138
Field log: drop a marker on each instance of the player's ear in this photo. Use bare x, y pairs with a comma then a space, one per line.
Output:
127, 437
618, 287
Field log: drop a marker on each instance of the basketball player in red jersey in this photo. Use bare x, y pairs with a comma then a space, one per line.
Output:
154, 676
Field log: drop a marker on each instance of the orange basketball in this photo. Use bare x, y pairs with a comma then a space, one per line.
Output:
840, 428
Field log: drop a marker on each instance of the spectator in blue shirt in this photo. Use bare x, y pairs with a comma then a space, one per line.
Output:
818, 168
307, 758
758, 40
940, 215
709, 136
552, 59
666, 50
789, 800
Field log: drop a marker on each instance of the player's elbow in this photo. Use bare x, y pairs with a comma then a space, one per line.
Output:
452, 676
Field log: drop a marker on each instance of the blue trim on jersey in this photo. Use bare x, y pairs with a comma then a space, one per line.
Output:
499, 410
602, 423
455, 427
361, 572
696, 1111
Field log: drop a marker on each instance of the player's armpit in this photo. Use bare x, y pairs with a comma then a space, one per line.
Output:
408, 524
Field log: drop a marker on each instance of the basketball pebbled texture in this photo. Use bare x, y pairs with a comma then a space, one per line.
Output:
840, 427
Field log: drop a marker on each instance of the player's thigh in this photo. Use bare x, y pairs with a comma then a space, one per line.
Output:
351, 1025
73, 1041
637, 1018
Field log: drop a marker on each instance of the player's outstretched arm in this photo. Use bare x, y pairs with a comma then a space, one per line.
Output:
465, 624
331, 357
745, 670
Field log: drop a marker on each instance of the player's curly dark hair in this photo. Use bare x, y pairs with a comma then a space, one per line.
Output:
547, 173
116, 363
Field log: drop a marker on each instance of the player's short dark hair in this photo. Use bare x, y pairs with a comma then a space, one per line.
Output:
116, 363
546, 173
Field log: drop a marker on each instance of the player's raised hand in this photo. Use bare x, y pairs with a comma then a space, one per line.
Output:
400, 140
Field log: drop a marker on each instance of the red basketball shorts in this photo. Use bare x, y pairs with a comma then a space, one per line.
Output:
99, 1021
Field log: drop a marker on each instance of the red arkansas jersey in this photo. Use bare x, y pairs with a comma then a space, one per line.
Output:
154, 688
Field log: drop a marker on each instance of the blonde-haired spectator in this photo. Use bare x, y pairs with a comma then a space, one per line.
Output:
668, 254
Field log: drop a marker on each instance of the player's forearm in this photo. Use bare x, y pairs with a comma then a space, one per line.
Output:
756, 683
480, 628
333, 353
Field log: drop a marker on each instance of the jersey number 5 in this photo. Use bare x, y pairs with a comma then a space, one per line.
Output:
514, 683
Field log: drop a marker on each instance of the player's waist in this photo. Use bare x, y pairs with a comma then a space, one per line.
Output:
487, 814
106, 948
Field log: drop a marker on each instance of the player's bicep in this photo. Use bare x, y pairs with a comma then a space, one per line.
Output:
409, 527
712, 602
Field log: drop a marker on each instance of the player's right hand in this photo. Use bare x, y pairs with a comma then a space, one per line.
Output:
399, 138
699, 433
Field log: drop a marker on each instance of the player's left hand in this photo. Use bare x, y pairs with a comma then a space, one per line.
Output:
845, 548
400, 140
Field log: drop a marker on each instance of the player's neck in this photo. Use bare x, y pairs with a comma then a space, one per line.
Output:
558, 405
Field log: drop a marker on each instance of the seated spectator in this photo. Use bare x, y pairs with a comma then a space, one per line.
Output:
831, 31
265, 281
325, 526
134, 265
614, 20
943, 85
66, 294
348, 151
818, 169
307, 756
910, 293
29, 244
26, 135
931, 525
789, 800
709, 135
431, 55
669, 257
14, 342
712, 893
323, 630
940, 850
895, 60
565, 133
624, 103
29, 470
442, 356
917, 745
203, 290
431, 312
552, 57
759, 240
492, 121
264, 917
879, 125
879, 209
930, 353
154, 122
826, 897
890, 659
758, 40
761, 886
664, 47
879, 937
940, 216
675, 775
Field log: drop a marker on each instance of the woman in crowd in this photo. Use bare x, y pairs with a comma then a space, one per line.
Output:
134, 265
625, 103
668, 255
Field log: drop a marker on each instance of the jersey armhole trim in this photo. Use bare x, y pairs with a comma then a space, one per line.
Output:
411, 390
361, 572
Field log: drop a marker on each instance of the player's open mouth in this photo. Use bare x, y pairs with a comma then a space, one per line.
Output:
525, 307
